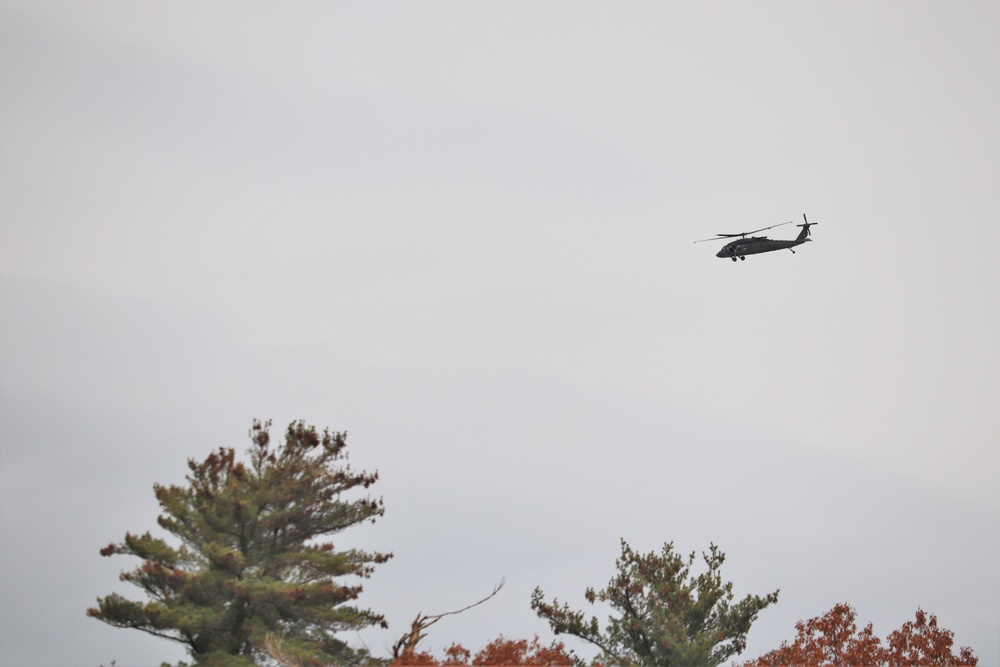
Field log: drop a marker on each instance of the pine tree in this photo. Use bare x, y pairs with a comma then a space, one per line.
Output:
666, 617
251, 562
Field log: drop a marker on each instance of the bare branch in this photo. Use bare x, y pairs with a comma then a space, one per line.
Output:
408, 642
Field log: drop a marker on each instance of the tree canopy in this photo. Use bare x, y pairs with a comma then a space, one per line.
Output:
665, 616
501, 652
834, 639
251, 562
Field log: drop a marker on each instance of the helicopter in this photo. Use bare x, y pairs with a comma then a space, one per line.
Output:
753, 245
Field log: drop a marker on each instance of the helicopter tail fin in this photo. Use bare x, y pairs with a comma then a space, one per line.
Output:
805, 233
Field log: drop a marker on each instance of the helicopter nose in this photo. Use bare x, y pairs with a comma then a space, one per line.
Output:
721, 253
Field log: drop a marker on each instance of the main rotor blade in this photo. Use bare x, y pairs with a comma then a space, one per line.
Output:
719, 237
763, 228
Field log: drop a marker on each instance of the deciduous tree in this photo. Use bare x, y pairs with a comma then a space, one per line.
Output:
665, 616
834, 639
831, 639
501, 652
251, 562
921, 642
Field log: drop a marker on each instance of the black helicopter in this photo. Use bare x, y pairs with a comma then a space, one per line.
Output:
751, 245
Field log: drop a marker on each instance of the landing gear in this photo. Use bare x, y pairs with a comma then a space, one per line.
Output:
742, 258
734, 258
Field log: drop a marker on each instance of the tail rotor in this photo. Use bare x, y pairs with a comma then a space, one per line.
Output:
805, 226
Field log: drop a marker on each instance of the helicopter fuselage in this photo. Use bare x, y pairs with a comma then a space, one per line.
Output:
756, 244
740, 245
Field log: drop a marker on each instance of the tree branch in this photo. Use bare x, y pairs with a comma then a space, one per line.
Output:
408, 642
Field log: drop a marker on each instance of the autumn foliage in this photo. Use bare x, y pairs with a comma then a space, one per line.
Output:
501, 651
834, 639
921, 642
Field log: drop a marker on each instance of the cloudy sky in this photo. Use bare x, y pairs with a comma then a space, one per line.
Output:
462, 232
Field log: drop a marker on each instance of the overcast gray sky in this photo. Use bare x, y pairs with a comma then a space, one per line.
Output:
463, 233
